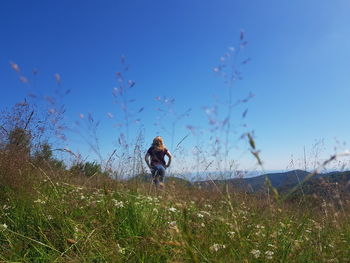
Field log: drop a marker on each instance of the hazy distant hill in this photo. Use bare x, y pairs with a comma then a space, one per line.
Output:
258, 182
283, 181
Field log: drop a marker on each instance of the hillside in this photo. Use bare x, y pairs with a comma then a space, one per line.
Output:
283, 182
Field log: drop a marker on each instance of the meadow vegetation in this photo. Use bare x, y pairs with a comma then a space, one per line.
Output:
81, 211
58, 216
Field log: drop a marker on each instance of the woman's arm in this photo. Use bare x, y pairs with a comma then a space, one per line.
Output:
147, 160
170, 157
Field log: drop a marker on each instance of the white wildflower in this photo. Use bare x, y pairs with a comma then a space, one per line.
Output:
39, 201
216, 247
200, 215
172, 209
269, 254
205, 213
256, 253
231, 234
3, 226
118, 204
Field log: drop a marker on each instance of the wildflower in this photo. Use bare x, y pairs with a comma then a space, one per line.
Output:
200, 215
39, 201
3, 226
172, 209
256, 253
120, 249
269, 254
231, 234
216, 247
118, 204
202, 225
205, 213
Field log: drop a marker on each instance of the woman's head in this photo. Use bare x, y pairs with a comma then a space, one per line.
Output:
158, 143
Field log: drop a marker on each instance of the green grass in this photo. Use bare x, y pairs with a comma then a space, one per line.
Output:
62, 222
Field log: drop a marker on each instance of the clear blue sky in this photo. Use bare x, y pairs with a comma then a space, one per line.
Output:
299, 69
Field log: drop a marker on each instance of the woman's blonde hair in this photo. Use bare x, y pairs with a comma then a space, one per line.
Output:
158, 143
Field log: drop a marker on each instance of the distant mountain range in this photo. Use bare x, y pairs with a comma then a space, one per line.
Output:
282, 181
257, 183
285, 181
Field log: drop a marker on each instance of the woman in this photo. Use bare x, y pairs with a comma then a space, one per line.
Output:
158, 165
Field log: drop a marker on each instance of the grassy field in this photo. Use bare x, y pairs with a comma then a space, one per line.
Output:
77, 219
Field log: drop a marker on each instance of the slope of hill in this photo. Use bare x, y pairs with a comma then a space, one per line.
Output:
282, 181
329, 185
